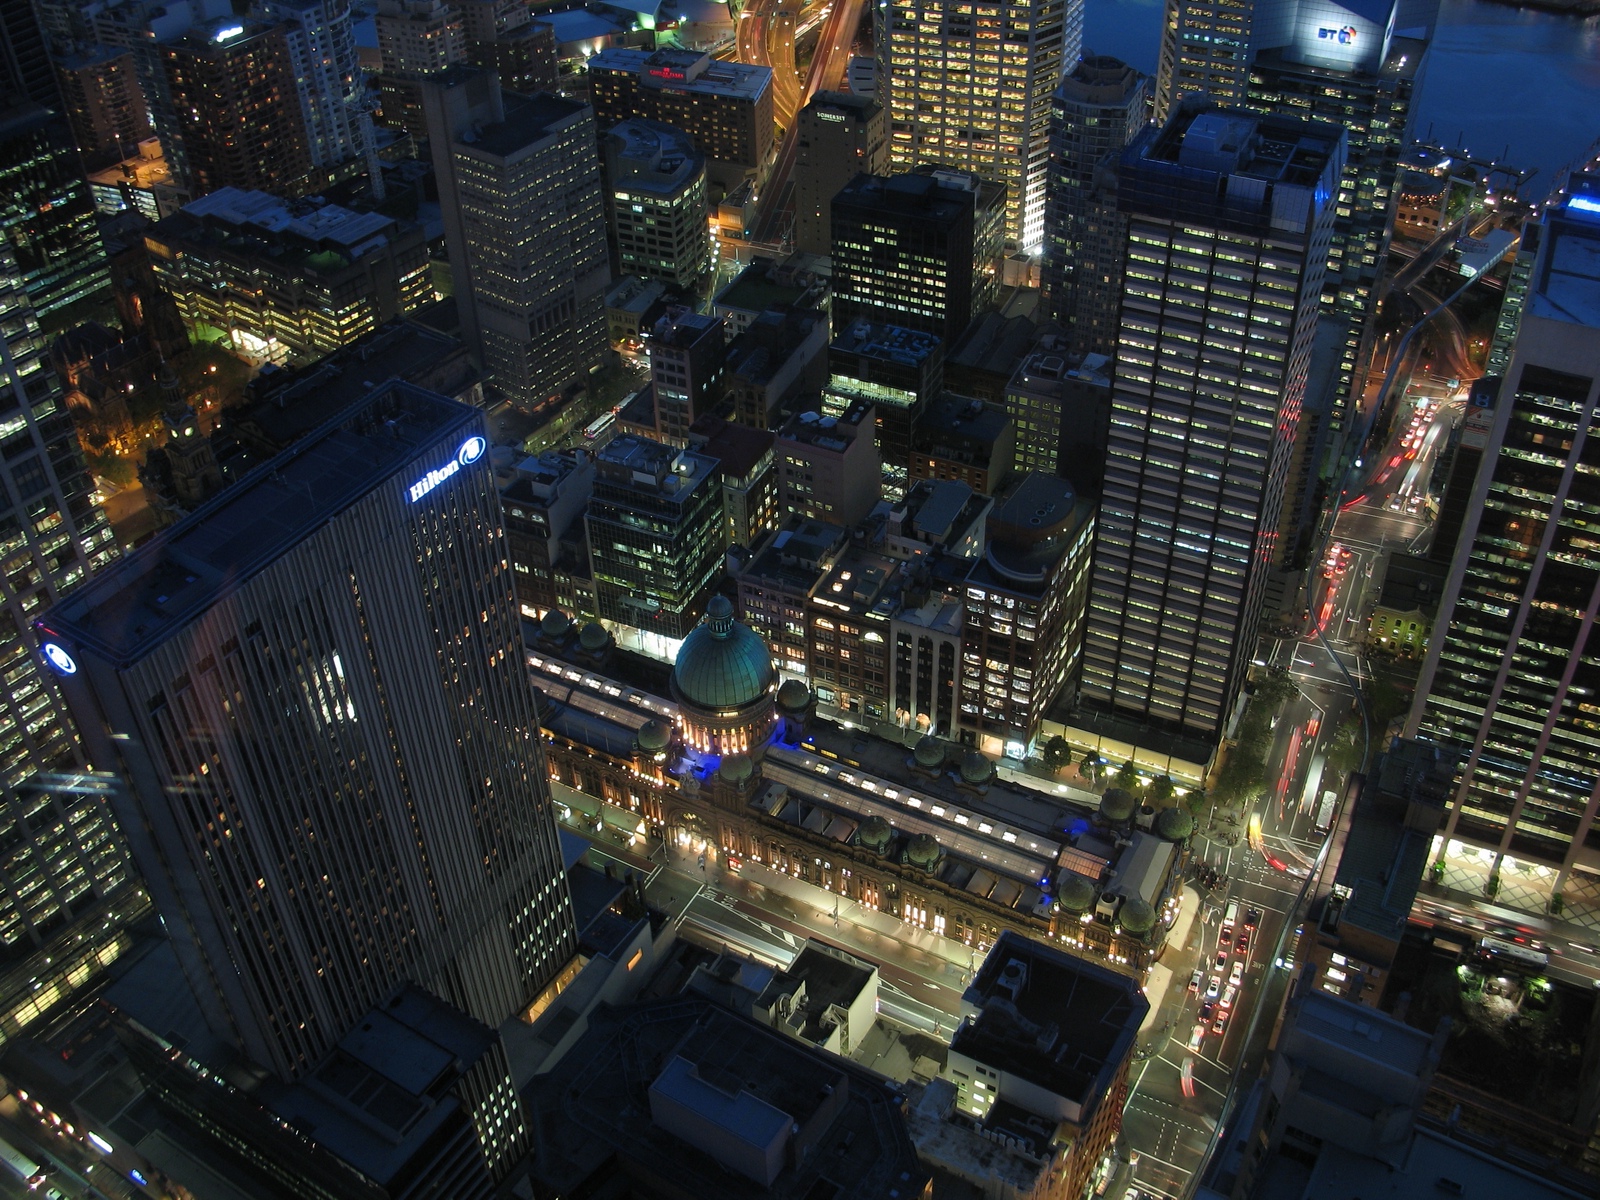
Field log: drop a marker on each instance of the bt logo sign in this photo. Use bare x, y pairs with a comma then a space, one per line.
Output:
469, 452
1344, 35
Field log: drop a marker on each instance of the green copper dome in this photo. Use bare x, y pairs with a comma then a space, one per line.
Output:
975, 768
737, 769
1077, 894
1174, 824
793, 696
1136, 916
929, 752
1116, 805
722, 663
555, 624
654, 737
594, 637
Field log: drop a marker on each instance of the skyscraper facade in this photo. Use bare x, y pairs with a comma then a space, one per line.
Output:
61, 855
54, 534
103, 103
969, 86
329, 85
247, 131
1229, 218
1098, 109
919, 250
315, 687
524, 219
47, 213
1514, 666
841, 136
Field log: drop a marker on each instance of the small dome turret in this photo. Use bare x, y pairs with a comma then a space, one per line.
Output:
555, 624
976, 768
594, 637
1077, 894
737, 769
929, 753
1116, 806
875, 834
794, 696
653, 737
924, 851
1174, 824
1136, 916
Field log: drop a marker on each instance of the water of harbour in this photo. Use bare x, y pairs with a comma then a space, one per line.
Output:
1497, 76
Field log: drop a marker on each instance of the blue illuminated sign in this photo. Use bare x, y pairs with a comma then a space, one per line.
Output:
58, 658
469, 452
1587, 204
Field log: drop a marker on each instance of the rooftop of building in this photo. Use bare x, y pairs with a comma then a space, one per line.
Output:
891, 343
738, 449
759, 288
1566, 282
941, 510
849, 104
811, 428
1434, 1165
650, 156
1042, 368
1103, 81
681, 328
860, 581
595, 1108
1061, 1023
133, 606
793, 556
955, 425
578, 25
528, 120
966, 1151
1360, 1031
686, 70
391, 1071
1030, 531
634, 295
934, 193
1232, 142
283, 406
829, 975
759, 353
653, 464
320, 238
538, 479
994, 343
221, 36
1382, 857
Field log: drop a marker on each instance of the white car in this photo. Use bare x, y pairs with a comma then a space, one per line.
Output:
1214, 988
1237, 975
1196, 1037
1228, 997
1196, 980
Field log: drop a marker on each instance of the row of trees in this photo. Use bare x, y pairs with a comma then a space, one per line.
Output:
1158, 793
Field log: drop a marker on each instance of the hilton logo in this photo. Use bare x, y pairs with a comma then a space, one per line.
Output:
1343, 35
470, 452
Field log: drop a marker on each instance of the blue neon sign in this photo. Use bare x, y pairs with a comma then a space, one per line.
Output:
59, 659
1587, 204
470, 451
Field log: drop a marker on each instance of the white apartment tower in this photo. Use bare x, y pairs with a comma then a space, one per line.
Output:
524, 219
1229, 218
315, 685
322, 49
968, 86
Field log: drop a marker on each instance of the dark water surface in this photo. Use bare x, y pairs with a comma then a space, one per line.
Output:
1496, 76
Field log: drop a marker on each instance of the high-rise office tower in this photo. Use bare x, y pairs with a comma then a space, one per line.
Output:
333, 108
1098, 109
416, 38
315, 687
103, 103
47, 213
657, 535
524, 219
229, 115
841, 136
54, 533
62, 858
1367, 85
725, 106
656, 199
1514, 664
920, 250
26, 74
1229, 218
969, 86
